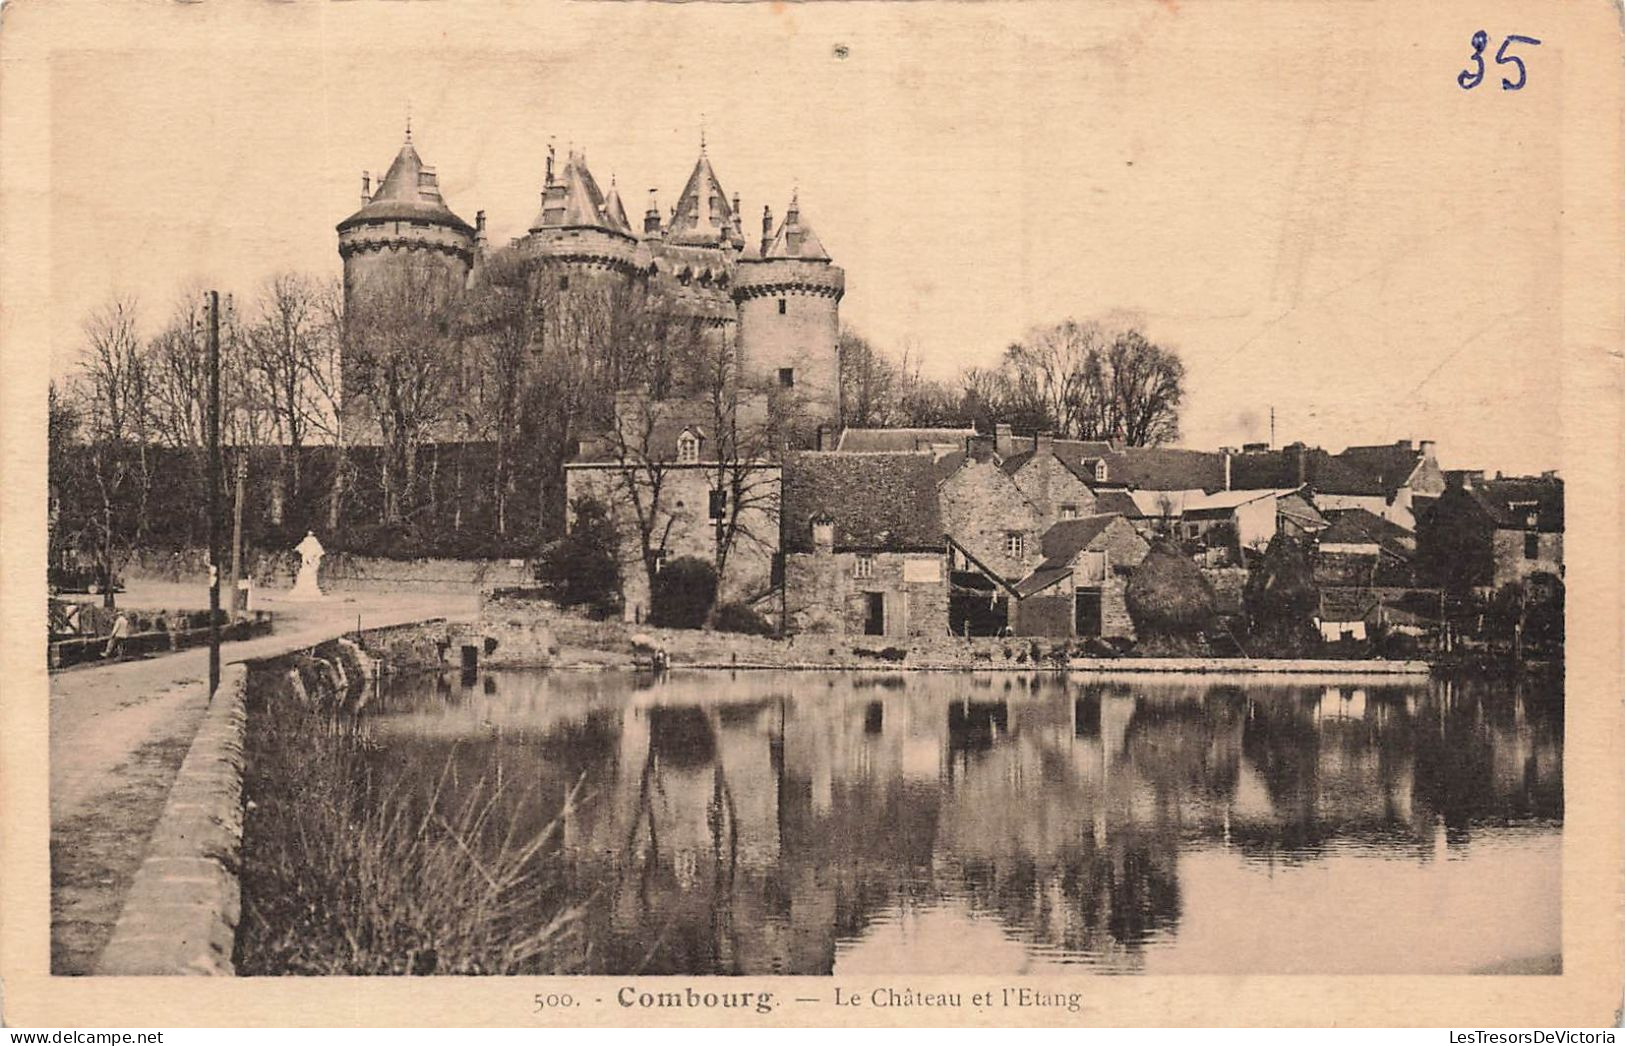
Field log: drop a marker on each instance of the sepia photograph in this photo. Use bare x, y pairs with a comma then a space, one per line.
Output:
871, 493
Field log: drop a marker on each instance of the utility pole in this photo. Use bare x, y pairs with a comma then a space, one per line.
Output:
1272, 427
214, 492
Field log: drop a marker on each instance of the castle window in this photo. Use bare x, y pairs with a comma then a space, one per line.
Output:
564, 283
688, 449
863, 567
1015, 544
782, 305
787, 377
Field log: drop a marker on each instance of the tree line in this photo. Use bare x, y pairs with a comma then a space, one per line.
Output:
431, 419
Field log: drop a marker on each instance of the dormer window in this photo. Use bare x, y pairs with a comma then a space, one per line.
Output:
688, 449
1069, 512
1100, 471
823, 532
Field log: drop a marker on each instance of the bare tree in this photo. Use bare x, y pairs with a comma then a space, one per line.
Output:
284, 339
113, 399
404, 365
745, 448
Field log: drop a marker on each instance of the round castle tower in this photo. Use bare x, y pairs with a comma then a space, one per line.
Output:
789, 300
404, 220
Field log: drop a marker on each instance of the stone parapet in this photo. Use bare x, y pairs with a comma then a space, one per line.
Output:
182, 911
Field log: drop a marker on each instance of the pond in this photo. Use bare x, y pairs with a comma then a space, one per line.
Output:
925, 823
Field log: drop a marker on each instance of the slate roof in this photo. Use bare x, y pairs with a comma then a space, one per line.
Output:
1346, 604
901, 439
703, 216
1070, 536
1148, 468
654, 436
1358, 526
1040, 579
1390, 464
1116, 503
795, 238
1509, 501
403, 194
1324, 472
882, 502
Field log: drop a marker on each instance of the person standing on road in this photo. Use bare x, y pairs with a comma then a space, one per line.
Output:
115, 641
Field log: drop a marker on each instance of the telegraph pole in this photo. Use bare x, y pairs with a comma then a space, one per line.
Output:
214, 492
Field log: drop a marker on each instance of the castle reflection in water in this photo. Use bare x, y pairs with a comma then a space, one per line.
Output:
918, 823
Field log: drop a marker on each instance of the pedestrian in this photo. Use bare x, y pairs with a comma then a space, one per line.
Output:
121, 632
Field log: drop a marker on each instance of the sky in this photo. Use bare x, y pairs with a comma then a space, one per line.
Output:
1305, 204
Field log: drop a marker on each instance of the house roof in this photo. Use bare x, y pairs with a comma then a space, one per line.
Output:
877, 501
1040, 579
1116, 503
1390, 464
1346, 604
1324, 472
1165, 468
1227, 501
1070, 536
409, 191
1509, 501
901, 439
1358, 526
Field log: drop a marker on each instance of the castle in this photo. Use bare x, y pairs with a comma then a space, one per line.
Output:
772, 303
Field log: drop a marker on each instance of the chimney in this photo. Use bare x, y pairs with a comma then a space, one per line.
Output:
651, 217
1118, 440
1004, 443
1403, 444
1428, 448
823, 533
1463, 479
979, 447
1298, 455
366, 188
479, 229
767, 229
1043, 448
1227, 452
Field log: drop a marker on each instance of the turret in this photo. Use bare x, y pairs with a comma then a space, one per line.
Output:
789, 322
405, 219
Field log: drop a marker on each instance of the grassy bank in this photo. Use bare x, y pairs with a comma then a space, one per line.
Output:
343, 874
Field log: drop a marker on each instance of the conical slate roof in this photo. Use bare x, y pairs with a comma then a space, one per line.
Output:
409, 191
574, 201
614, 211
704, 216
795, 238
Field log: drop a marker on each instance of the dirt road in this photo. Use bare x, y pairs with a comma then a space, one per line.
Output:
120, 731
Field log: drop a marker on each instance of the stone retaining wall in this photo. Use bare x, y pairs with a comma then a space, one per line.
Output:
340, 571
182, 910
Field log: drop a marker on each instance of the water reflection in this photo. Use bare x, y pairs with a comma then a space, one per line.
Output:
808, 823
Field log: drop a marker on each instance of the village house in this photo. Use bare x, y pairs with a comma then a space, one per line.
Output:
1078, 588
993, 531
1384, 480
1057, 489
1240, 522
1359, 548
1487, 534
864, 551
677, 477
1407, 473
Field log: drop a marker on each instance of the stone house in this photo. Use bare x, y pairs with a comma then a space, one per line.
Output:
1244, 521
1362, 549
990, 520
1057, 489
1078, 588
864, 551
1491, 533
1407, 473
678, 477
1385, 480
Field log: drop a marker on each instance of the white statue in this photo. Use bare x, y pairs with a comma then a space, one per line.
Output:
310, 552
